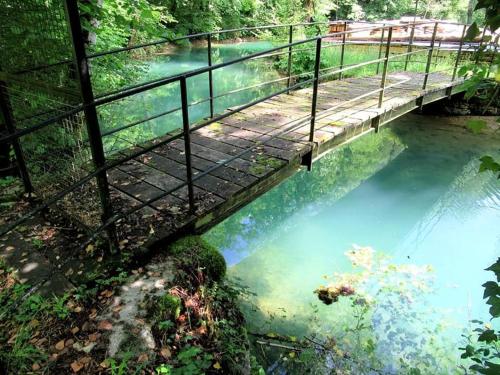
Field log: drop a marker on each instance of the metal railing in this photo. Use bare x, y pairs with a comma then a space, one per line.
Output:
90, 105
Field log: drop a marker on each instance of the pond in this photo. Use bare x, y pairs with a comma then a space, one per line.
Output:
403, 220
231, 79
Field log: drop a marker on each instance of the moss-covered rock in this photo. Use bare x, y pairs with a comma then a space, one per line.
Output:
195, 251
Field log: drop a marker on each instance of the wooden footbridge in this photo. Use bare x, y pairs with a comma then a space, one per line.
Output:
194, 177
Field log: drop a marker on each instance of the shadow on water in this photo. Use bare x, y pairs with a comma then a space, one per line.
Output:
411, 191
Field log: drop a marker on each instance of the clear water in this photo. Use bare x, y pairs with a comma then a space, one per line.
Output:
166, 98
412, 193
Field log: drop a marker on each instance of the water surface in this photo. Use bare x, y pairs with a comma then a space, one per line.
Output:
413, 194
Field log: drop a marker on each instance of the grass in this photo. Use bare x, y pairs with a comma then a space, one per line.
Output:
303, 61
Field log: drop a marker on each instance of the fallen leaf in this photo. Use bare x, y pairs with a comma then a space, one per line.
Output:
76, 366
166, 353
217, 366
75, 330
35, 367
104, 325
60, 345
94, 337
107, 293
143, 358
85, 360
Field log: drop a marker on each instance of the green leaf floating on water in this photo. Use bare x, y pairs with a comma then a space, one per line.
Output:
476, 126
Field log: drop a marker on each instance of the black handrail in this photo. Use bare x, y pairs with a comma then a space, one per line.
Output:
100, 170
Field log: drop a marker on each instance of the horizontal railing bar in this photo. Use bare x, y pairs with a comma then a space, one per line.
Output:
172, 79
20, 133
134, 155
325, 113
301, 122
197, 35
161, 41
164, 81
188, 74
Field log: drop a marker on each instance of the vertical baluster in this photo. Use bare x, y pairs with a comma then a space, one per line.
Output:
459, 53
429, 57
210, 75
342, 51
438, 49
315, 88
187, 142
91, 117
290, 41
385, 68
410, 46
380, 47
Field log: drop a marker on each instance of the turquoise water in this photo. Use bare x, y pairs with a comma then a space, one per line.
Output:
166, 98
412, 194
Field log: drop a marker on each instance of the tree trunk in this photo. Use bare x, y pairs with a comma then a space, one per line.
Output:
470, 10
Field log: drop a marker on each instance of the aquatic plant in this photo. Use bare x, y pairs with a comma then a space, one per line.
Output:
378, 324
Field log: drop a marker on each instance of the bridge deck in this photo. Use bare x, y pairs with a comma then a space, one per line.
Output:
229, 187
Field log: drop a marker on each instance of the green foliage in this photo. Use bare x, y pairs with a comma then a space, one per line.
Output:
483, 347
491, 10
195, 252
126, 365
190, 361
20, 317
168, 309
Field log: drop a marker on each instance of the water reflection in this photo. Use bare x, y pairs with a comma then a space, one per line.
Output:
412, 192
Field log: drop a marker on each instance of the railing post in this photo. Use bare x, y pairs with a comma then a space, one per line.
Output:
290, 41
315, 92
210, 75
410, 46
187, 143
5, 107
380, 47
342, 51
429, 57
385, 67
438, 49
459, 53
92, 120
